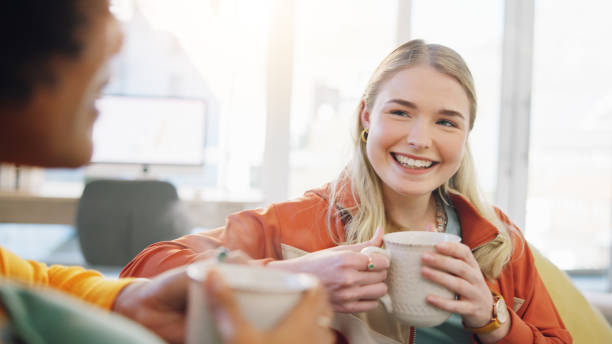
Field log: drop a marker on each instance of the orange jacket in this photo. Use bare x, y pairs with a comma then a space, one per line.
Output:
88, 285
302, 223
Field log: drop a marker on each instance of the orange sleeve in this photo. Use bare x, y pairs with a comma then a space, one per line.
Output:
255, 232
259, 233
536, 320
88, 285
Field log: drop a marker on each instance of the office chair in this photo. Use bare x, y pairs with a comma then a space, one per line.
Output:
116, 219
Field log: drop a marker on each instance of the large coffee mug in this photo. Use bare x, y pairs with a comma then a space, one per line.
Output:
264, 296
407, 288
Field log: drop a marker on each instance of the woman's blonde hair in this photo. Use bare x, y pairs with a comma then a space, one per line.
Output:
365, 185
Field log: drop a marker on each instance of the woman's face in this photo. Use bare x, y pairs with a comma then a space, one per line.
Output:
418, 127
59, 118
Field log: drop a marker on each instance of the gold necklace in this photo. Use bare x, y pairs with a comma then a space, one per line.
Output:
441, 218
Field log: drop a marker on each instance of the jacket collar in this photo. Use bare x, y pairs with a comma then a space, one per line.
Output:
475, 229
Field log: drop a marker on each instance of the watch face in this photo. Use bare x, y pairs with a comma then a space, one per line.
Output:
502, 311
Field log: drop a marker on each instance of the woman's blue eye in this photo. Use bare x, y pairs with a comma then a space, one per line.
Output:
400, 113
447, 123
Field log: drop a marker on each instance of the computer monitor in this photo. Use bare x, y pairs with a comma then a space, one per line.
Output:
149, 131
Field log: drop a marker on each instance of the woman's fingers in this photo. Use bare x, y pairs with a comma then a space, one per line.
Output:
452, 266
363, 293
361, 262
355, 306
476, 312
343, 272
371, 262
453, 283
450, 305
459, 251
357, 299
351, 278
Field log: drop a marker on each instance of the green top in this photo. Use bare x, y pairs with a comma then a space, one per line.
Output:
451, 331
39, 316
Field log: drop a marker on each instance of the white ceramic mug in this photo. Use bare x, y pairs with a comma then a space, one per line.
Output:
264, 296
407, 288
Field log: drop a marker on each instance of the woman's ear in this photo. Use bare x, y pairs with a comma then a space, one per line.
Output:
364, 115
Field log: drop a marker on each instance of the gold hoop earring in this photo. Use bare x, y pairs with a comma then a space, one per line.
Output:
364, 135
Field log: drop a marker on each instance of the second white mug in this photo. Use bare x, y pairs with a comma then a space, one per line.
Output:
264, 296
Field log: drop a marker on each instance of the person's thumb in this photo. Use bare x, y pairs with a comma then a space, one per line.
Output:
376, 240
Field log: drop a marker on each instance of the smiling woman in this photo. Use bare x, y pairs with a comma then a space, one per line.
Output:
411, 162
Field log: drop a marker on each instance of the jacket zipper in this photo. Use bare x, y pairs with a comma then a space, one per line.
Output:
412, 336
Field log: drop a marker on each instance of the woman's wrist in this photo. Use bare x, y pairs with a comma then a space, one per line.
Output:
497, 335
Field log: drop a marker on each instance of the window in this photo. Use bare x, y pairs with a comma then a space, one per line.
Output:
570, 160
336, 50
149, 130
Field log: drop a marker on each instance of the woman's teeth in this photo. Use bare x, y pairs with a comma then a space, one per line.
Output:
412, 163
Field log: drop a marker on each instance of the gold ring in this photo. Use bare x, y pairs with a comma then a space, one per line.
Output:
324, 321
222, 253
371, 265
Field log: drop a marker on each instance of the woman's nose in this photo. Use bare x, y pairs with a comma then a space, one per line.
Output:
419, 135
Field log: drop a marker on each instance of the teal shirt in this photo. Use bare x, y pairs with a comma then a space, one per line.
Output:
451, 331
38, 316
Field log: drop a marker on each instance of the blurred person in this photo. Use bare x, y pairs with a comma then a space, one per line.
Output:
53, 66
411, 170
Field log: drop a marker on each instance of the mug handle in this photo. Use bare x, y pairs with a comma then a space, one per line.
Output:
373, 249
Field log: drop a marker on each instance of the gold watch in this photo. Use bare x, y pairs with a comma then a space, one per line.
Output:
499, 316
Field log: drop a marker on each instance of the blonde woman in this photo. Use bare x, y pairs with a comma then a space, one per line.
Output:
411, 170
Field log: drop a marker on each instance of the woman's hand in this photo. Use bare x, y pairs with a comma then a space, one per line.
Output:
308, 322
354, 281
454, 267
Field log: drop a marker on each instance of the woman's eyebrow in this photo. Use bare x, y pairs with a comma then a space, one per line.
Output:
451, 113
403, 103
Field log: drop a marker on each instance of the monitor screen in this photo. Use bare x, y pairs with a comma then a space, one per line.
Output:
149, 130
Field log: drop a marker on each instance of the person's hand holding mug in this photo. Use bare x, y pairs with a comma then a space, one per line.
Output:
354, 281
454, 266
160, 304
308, 322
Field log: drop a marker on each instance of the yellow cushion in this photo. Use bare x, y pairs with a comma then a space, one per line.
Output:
585, 323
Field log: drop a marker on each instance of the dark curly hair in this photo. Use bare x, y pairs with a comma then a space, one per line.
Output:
31, 32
